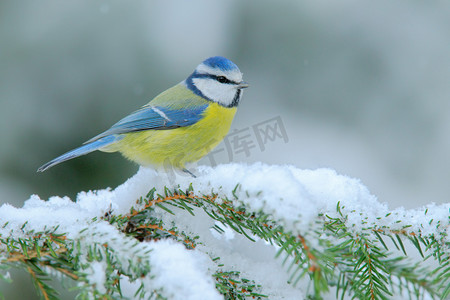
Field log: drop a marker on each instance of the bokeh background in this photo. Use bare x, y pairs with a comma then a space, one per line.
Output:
360, 86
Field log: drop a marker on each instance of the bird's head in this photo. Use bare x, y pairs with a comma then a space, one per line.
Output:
219, 80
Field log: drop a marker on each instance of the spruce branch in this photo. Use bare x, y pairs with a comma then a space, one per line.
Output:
366, 262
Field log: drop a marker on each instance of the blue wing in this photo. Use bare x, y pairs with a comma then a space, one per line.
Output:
148, 117
155, 118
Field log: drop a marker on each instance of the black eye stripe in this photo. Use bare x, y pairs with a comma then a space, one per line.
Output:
219, 78
223, 79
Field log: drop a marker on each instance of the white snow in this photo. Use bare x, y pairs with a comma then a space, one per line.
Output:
97, 275
293, 197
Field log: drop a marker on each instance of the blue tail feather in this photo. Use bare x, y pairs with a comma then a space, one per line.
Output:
85, 149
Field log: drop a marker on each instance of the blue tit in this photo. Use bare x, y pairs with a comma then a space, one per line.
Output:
180, 125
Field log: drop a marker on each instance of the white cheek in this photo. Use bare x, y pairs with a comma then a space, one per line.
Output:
216, 91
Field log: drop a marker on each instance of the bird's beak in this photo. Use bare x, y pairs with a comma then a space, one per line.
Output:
242, 85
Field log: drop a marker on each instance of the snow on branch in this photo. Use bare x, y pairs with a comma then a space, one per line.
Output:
235, 231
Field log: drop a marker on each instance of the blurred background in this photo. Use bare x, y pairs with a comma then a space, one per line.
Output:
359, 86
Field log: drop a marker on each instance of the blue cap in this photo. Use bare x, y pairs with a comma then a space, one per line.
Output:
220, 62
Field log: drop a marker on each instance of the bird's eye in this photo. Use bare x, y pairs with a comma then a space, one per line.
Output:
222, 79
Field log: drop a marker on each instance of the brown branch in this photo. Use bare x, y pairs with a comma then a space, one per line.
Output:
171, 232
313, 259
38, 283
19, 256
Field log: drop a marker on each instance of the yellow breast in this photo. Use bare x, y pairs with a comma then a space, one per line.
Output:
176, 147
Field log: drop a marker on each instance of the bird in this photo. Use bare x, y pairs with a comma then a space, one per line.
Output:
177, 127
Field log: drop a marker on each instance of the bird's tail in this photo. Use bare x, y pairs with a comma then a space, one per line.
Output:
82, 150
